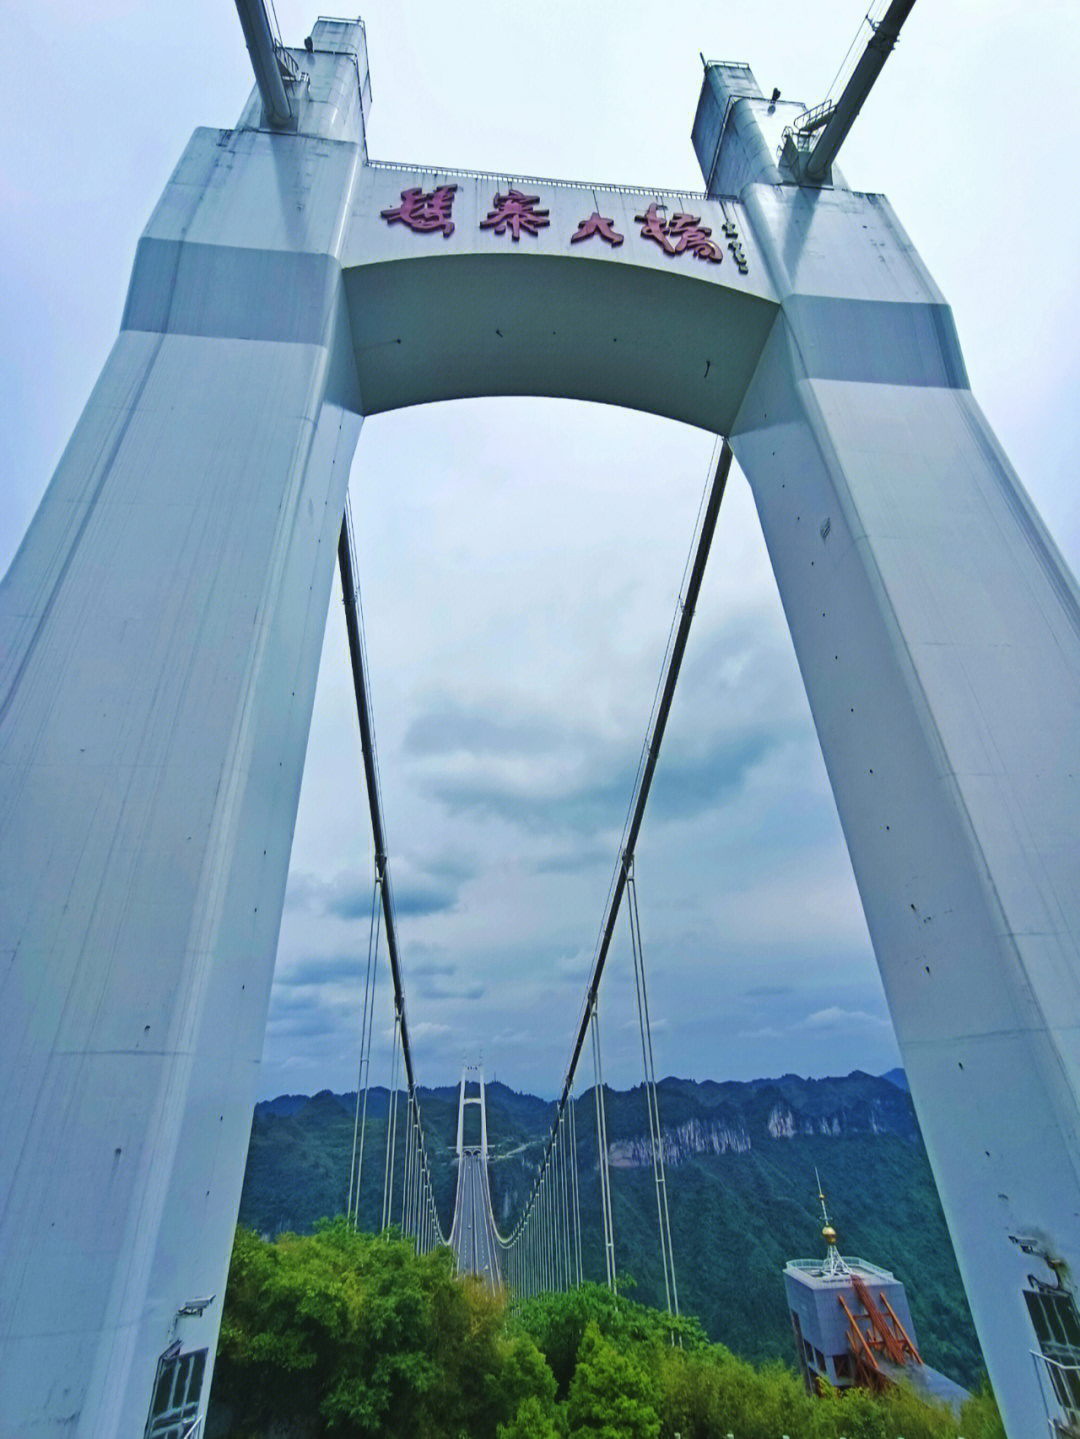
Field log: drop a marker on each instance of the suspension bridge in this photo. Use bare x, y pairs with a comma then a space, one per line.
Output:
163, 622
543, 1250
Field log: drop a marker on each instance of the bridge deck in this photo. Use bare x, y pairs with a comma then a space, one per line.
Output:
472, 1237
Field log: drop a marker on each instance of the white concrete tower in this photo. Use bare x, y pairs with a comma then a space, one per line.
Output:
160, 631
938, 634
465, 1098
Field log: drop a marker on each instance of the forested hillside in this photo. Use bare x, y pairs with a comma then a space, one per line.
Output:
740, 1158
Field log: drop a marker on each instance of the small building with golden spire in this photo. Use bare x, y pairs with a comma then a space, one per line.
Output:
853, 1326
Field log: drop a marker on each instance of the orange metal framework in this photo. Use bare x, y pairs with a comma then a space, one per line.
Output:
887, 1337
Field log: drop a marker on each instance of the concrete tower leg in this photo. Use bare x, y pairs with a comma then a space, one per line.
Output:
483, 1121
938, 634
160, 632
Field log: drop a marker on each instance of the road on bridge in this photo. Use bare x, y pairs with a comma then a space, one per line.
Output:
472, 1237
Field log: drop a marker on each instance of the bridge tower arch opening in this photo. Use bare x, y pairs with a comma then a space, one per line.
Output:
473, 1236
163, 621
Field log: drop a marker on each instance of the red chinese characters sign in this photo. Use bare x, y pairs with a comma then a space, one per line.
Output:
682, 234
425, 210
428, 211
515, 212
596, 224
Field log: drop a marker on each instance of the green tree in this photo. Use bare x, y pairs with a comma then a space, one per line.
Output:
557, 1322
359, 1333
523, 1374
532, 1421
688, 1392
610, 1393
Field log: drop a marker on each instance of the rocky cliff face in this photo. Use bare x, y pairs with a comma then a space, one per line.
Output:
695, 1136
736, 1118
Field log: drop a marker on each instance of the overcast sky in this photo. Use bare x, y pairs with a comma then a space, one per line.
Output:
520, 560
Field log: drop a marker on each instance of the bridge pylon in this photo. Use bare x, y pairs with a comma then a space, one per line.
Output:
473, 1236
463, 1099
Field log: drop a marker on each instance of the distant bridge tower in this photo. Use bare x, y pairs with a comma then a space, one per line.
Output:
472, 1236
465, 1098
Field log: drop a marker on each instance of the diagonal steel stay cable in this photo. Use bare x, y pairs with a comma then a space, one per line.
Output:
645, 749
668, 647
391, 1128
363, 1079
656, 1134
705, 528
869, 22
360, 671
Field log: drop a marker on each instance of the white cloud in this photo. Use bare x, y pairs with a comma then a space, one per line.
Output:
843, 1019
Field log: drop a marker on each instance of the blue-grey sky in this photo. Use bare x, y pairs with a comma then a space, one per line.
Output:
520, 559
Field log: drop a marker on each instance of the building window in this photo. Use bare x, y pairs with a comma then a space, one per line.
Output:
1056, 1323
177, 1388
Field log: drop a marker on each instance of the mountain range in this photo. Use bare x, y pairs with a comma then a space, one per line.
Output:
740, 1159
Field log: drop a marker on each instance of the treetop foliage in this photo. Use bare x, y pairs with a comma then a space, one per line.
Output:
346, 1335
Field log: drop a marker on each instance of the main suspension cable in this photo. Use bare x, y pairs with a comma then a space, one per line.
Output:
676, 648
651, 750
358, 663
542, 1237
